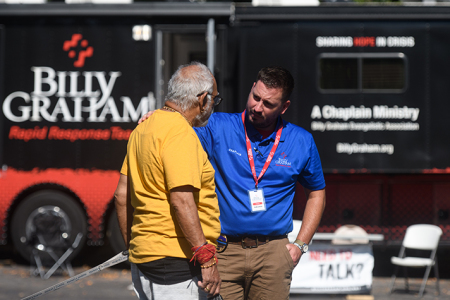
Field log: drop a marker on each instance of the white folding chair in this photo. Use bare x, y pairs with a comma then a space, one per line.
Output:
50, 243
59, 262
350, 234
419, 237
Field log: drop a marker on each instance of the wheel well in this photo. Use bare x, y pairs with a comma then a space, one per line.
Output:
36, 188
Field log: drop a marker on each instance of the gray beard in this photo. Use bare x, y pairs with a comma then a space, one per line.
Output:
201, 120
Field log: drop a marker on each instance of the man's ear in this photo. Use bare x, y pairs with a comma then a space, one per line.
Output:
285, 106
202, 100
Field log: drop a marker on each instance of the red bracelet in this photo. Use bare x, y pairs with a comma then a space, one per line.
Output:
204, 253
199, 247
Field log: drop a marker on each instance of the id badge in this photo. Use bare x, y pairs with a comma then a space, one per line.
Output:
257, 201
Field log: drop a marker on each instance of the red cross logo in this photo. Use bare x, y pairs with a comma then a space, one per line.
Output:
76, 42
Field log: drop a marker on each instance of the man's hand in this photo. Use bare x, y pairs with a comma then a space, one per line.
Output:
146, 116
211, 279
295, 253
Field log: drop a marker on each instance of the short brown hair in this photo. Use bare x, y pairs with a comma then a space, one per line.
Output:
276, 77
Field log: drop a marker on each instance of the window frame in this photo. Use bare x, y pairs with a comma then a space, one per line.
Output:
359, 57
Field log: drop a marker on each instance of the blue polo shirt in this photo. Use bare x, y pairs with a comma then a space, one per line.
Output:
296, 159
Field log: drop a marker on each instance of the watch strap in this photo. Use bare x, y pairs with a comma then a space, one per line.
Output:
300, 244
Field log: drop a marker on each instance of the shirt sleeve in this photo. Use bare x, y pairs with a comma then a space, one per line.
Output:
124, 169
206, 135
311, 176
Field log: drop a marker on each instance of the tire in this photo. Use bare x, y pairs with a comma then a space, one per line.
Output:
115, 239
51, 219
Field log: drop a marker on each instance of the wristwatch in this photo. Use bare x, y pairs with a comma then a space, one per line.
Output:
301, 245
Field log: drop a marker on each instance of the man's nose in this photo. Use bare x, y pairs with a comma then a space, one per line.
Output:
258, 106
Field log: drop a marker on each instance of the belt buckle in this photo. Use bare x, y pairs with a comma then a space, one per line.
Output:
245, 247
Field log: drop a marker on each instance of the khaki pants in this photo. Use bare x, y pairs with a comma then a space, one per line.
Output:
262, 273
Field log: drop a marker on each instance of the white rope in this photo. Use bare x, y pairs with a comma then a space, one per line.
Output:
121, 257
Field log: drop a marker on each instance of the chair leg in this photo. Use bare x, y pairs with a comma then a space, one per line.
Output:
69, 269
393, 279
436, 273
61, 262
405, 271
33, 269
424, 281
39, 265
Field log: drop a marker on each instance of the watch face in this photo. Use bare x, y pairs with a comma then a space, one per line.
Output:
305, 248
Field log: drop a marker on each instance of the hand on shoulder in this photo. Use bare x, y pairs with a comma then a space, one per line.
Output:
146, 116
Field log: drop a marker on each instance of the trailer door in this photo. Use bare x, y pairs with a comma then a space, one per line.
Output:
181, 44
2, 88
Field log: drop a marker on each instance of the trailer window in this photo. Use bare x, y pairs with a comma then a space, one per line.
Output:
364, 73
340, 73
383, 73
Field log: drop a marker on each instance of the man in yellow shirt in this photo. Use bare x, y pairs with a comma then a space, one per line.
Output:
168, 181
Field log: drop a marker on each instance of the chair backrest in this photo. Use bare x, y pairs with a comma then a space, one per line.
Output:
422, 237
355, 233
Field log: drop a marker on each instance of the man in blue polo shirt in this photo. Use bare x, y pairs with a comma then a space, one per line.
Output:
258, 158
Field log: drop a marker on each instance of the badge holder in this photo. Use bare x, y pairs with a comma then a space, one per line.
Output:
257, 200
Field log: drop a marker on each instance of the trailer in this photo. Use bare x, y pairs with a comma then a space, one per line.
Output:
75, 79
371, 86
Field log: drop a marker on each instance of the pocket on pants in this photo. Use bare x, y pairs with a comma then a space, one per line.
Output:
287, 256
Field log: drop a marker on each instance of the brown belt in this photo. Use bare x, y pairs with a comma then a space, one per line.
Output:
252, 241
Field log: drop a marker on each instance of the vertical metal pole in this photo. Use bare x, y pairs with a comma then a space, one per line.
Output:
211, 43
159, 64
360, 74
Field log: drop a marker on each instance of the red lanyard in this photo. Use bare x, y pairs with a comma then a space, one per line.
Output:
250, 152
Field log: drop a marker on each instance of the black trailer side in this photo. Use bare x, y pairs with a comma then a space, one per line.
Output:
371, 88
74, 81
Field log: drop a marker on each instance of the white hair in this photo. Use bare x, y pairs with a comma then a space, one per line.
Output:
184, 87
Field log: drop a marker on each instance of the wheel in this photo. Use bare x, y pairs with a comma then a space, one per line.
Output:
114, 235
48, 219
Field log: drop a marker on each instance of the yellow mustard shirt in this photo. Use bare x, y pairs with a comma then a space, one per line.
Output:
164, 152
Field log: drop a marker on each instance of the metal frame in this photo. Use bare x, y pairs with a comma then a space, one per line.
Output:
343, 11
359, 57
209, 9
210, 36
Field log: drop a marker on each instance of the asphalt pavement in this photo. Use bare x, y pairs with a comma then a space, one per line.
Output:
17, 282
